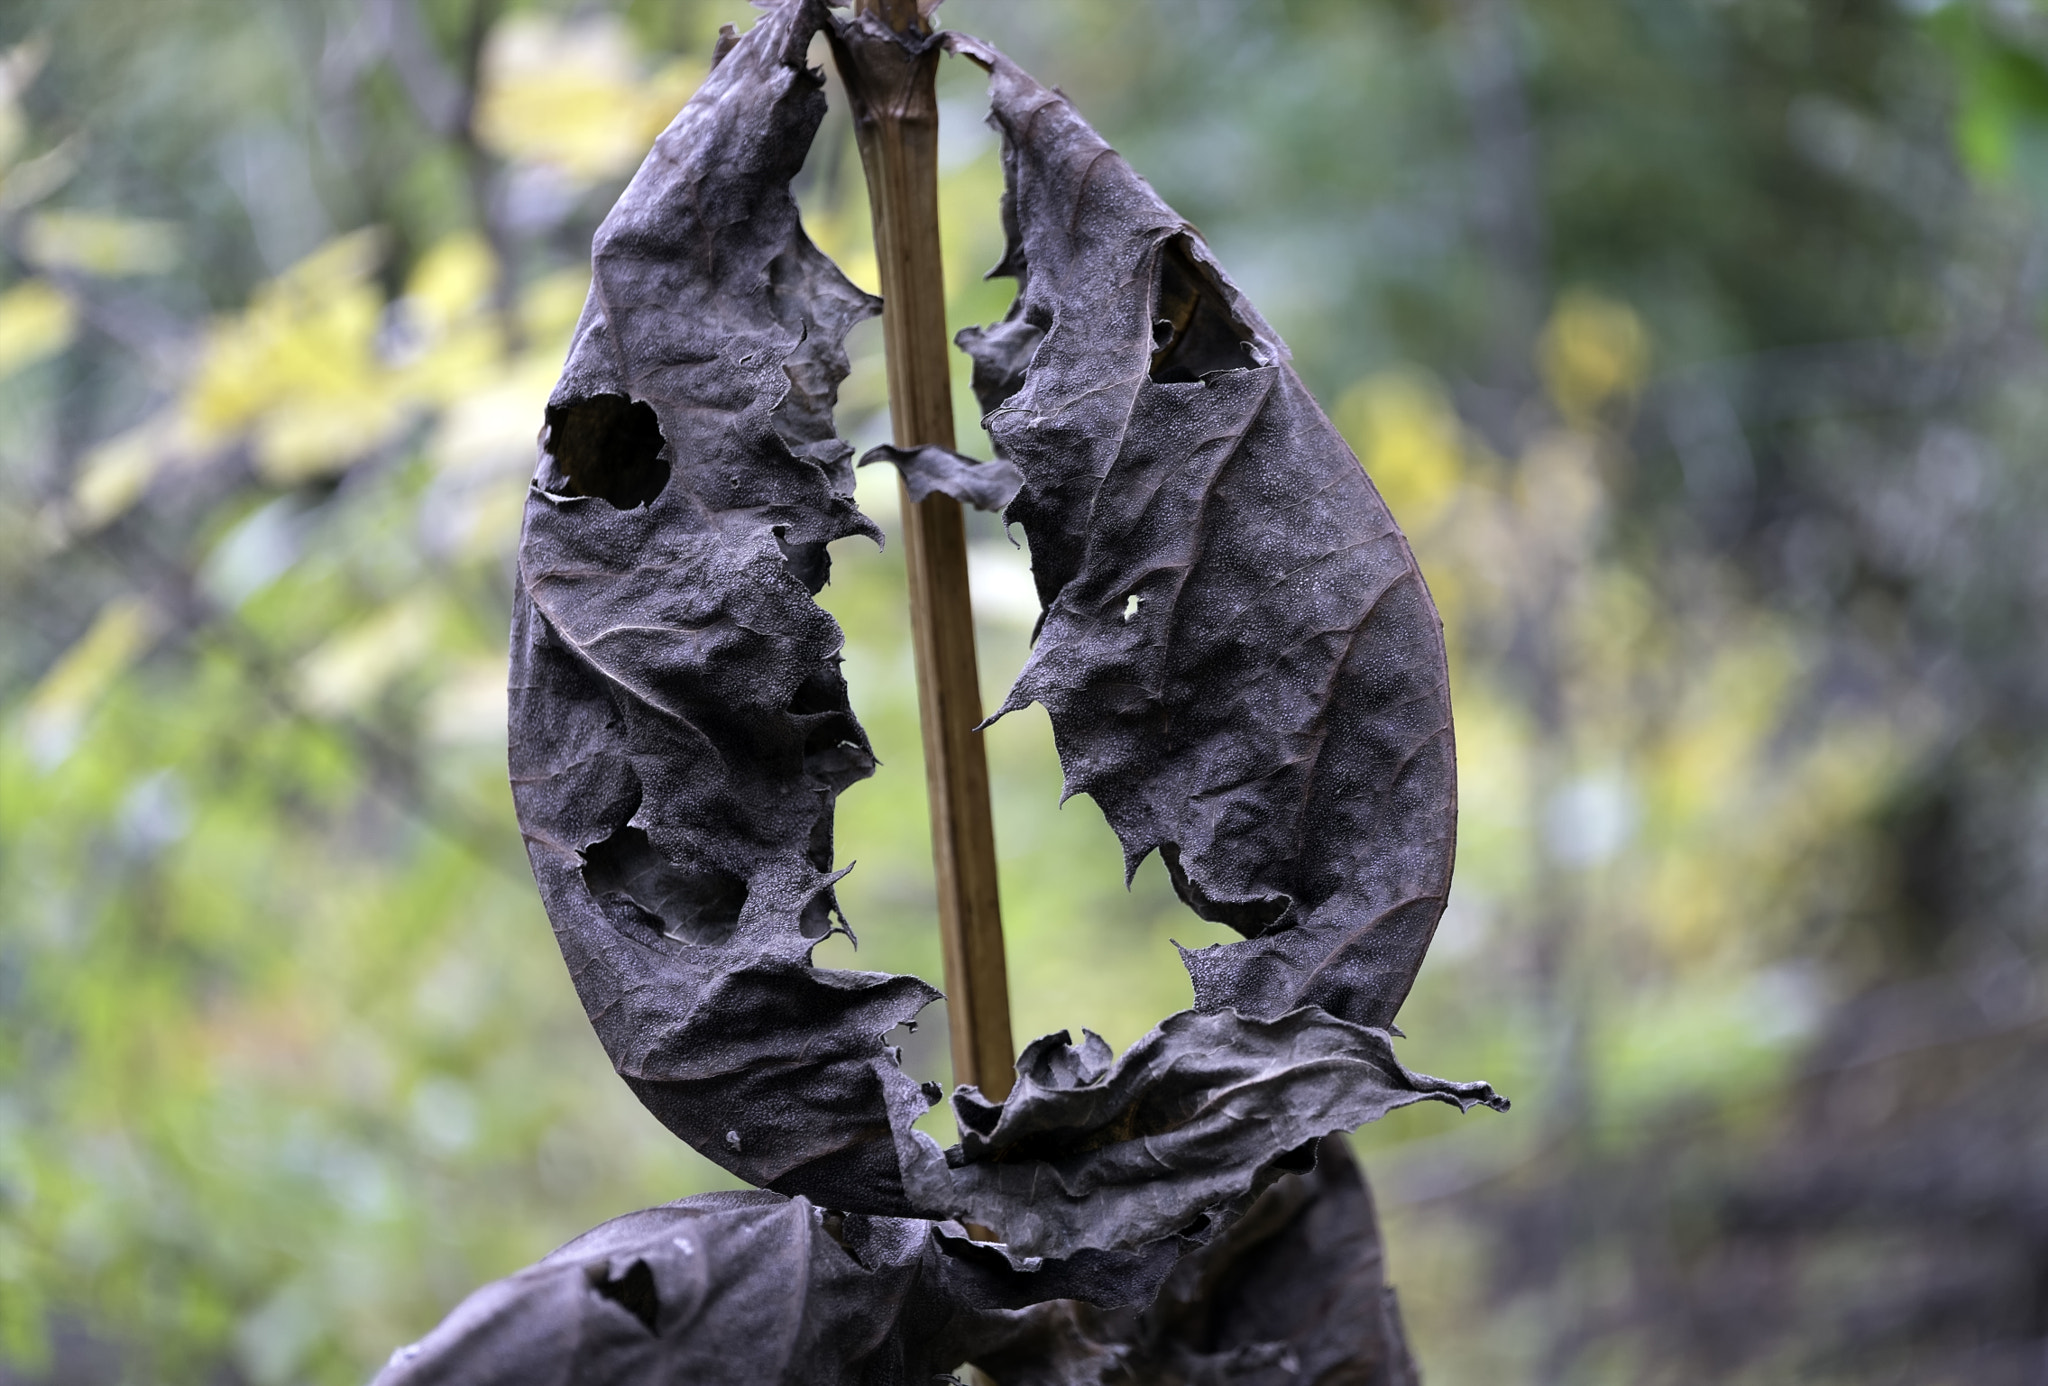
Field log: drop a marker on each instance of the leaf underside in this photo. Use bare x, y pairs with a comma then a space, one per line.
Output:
1270, 714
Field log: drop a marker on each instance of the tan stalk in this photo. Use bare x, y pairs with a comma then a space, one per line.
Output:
889, 76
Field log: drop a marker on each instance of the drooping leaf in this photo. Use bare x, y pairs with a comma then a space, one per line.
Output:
929, 470
752, 1287
1242, 667
679, 725
1239, 657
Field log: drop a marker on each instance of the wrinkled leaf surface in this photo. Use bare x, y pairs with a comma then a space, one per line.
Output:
1294, 1293
752, 1287
679, 724
1239, 657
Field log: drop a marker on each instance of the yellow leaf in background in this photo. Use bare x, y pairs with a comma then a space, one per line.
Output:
117, 472
842, 231
36, 320
56, 711
483, 448
32, 180
100, 244
1594, 349
1410, 442
315, 322
299, 369
466, 360
349, 672
1559, 491
452, 280
114, 475
570, 94
492, 430
450, 342
321, 436
1844, 777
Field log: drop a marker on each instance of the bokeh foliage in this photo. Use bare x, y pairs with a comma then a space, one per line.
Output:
1696, 345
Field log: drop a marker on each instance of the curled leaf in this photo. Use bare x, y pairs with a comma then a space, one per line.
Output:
1240, 660
1294, 1293
1176, 1136
1241, 666
929, 470
679, 725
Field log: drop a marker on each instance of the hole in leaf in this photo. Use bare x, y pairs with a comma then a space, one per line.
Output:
606, 446
694, 903
1194, 332
635, 1292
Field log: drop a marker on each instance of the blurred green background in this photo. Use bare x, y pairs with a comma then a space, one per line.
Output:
1696, 344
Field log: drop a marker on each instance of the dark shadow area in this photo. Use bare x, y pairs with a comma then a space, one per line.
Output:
696, 904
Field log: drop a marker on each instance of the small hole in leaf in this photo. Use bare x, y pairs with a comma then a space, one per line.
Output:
1131, 605
635, 1292
694, 903
1194, 333
606, 446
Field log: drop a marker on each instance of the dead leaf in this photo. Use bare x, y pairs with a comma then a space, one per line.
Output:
1240, 661
1294, 1293
679, 724
747, 1287
1239, 656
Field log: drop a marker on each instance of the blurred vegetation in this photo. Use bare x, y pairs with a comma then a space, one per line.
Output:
1697, 346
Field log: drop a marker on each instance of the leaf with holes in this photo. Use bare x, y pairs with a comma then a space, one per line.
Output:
679, 726
1242, 667
751, 1287
1240, 661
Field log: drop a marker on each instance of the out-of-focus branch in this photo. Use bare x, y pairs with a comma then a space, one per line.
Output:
435, 92
446, 101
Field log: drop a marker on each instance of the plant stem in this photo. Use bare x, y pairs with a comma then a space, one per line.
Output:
889, 74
